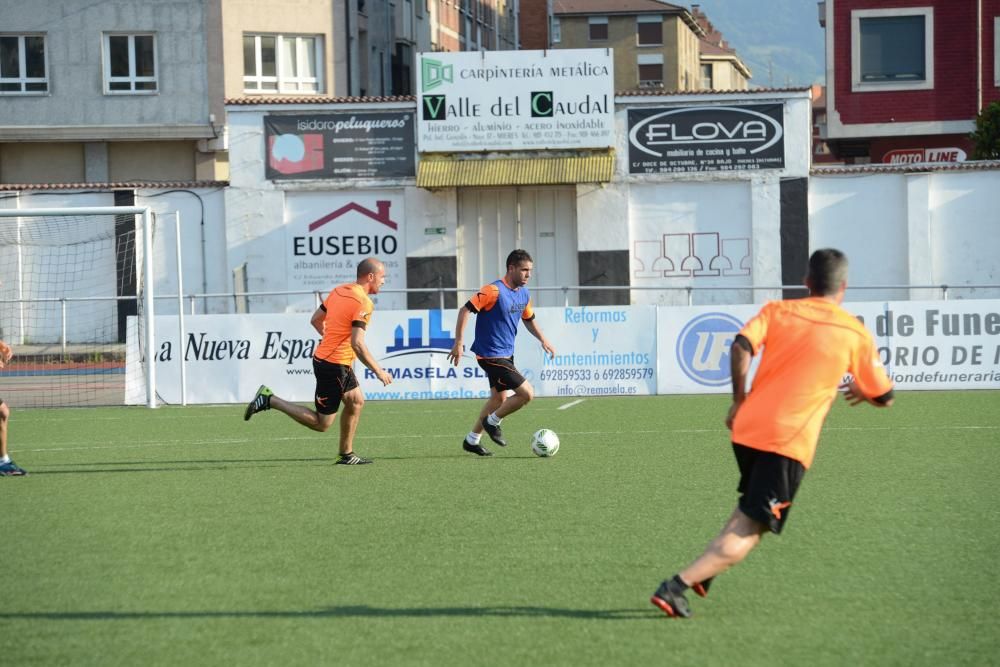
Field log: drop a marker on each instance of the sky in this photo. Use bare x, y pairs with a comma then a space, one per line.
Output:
780, 40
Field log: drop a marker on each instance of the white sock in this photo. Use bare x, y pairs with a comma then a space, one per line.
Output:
493, 419
473, 438
4, 459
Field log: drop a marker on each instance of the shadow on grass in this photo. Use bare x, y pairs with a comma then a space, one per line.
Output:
170, 466
225, 464
347, 611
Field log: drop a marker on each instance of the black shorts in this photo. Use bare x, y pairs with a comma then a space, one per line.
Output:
768, 483
332, 382
501, 372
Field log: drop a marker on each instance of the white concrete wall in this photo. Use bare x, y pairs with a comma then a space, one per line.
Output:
931, 228
866, 218
56, 270
203, 248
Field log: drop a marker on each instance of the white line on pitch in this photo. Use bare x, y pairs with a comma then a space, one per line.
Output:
571, 404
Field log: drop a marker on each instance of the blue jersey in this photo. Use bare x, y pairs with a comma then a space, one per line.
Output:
498, 309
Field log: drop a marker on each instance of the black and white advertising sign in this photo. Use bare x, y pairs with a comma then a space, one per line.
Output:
708, 138
356, 145
516, 100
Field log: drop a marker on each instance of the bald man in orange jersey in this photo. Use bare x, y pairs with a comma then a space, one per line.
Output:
809, 345
341, 320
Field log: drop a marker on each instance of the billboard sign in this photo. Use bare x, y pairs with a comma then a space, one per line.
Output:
355, 145
515, 100
328, 233
706, 138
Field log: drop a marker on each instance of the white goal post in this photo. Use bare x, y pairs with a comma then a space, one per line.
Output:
70, 288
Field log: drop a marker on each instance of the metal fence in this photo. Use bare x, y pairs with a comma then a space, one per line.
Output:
240, 302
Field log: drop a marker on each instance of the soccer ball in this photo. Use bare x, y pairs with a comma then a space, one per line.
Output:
545, 442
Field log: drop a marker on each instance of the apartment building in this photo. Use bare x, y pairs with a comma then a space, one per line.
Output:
656, 44
905, 83
106, 92
720, 66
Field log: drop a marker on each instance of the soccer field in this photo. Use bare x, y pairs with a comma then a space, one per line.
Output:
188, 536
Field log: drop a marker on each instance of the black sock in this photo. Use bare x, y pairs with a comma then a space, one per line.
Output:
677, 584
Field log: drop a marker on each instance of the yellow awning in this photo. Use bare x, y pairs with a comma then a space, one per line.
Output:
451, 172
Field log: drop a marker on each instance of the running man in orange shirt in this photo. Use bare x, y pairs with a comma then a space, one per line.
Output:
341, 320
809, 344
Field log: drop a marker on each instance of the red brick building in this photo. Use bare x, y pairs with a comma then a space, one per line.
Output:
906, 78
473, 25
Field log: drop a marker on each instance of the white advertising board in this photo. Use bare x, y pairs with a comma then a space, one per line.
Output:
328, 233
923, 344
515, 100
600, 351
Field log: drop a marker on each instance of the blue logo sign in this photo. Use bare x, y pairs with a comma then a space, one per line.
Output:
413, 341
703, 348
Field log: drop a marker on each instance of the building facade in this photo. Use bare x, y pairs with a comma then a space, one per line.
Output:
657, 45
721, 67
473, 25
106, 92
905, 83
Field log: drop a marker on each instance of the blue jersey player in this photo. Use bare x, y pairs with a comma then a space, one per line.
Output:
498, 307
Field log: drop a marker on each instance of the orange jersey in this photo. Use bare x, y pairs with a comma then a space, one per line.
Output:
809, 344
345, 305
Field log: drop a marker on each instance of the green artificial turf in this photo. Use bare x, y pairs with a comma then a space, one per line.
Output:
185, 536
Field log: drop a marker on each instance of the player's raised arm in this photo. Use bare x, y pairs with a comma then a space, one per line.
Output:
317, 320
458, 348
361, 350
871, 383
740, 355
5, 353
533, 329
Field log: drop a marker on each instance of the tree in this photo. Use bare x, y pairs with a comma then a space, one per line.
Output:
987, 135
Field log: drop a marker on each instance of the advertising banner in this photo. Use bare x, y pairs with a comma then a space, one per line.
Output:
355, 145
706, 138
328, 233
600, 351
515, 100
923, 344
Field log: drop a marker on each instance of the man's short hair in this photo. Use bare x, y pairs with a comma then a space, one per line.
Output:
827, 271
518, 256
368, 265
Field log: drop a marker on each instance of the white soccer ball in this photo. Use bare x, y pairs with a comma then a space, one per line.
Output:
545, 442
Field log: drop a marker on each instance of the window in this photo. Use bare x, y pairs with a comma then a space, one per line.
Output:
129, 64
892, 49
706, 77
402, 68
556, 30
649, 30
598, 28
996, 51
282, 64
650, 70
22, 64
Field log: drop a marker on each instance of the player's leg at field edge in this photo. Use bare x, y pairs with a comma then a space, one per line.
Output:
4, 416
520, 398
353, 401
492, 404
738, 538
303, 415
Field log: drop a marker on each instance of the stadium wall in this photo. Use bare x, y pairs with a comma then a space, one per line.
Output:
602, 351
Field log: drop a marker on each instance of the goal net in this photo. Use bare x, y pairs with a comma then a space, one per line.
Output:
73, 282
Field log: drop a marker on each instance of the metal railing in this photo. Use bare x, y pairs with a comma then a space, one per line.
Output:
235, 297
566, 290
